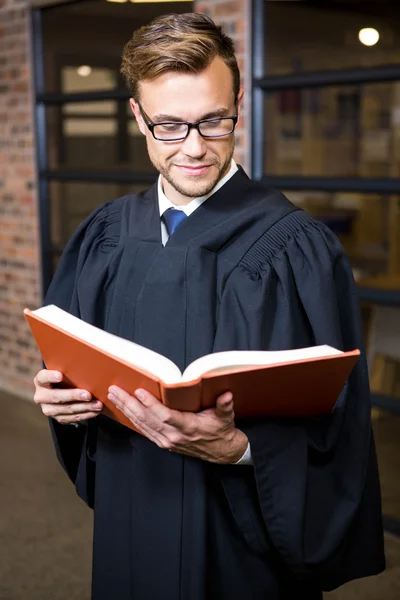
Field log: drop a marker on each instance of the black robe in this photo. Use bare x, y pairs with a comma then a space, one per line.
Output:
248, 271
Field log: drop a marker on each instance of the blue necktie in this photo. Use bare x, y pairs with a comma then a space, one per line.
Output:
173, 218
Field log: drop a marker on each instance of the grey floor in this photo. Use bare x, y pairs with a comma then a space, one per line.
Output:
45, 530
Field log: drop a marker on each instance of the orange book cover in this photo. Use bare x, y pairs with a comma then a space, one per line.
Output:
300, 388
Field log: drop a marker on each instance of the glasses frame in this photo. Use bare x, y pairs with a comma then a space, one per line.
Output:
190, 126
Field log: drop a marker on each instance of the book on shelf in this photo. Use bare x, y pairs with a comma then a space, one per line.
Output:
284, 383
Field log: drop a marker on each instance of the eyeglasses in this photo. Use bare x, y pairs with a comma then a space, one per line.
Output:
176, 131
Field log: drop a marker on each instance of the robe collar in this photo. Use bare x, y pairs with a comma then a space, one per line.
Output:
239, 206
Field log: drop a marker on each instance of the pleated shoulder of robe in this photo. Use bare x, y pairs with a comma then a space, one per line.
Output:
246, 271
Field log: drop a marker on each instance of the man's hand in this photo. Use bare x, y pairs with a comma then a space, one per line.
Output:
66, 406
210, 434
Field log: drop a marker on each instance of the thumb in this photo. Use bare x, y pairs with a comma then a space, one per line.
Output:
224, 404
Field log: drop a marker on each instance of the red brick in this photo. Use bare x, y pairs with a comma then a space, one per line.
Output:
227, 9
19, 236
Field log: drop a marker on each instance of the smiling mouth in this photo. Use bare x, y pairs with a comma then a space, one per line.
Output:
198, 170
193, 167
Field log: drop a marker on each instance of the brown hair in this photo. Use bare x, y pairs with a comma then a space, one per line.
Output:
176, 42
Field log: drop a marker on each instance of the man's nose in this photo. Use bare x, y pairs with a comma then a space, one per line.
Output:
194, 145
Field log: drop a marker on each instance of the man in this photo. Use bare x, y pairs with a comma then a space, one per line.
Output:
201, 507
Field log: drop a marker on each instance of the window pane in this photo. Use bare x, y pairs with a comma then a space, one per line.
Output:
319, 36
86, 128
343, 131
367, 225
92, 34
101, 108
72, 202
95, 135
386, 430
85, 78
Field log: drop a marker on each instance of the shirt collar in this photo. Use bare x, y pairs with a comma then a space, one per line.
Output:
164, 203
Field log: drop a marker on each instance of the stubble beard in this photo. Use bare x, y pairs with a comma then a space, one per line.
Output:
193, 189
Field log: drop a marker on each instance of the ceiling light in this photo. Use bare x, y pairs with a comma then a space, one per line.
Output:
368, 36
84, 70
151, 1
146, 1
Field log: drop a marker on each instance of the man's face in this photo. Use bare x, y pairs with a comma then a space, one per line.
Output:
191, 167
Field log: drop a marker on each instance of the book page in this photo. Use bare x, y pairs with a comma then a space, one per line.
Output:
252, 358
135, 354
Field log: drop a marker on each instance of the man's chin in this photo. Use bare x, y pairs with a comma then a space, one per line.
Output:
193, 189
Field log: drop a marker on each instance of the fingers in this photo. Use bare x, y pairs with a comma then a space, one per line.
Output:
146, 413
146, 398
162, 413
45, 378
46, 395
127, 404
225, 400
224, 404
78, 418
142, 405
73, 408
68, 405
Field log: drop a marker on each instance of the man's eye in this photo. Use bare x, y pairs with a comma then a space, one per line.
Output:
214, 124
167, 127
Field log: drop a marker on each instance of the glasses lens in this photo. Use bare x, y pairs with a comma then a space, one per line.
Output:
216, 127
170, 131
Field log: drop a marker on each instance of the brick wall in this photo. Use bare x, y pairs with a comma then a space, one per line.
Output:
19, 233
234, 17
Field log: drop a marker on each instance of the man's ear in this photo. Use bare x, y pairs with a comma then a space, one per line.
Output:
239, 100
138, 115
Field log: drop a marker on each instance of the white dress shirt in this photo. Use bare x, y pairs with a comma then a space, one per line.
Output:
164, 204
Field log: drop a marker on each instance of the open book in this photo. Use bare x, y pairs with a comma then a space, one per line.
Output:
300, 382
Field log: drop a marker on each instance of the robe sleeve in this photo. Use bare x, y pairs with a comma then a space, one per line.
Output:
76, 446
313, 498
